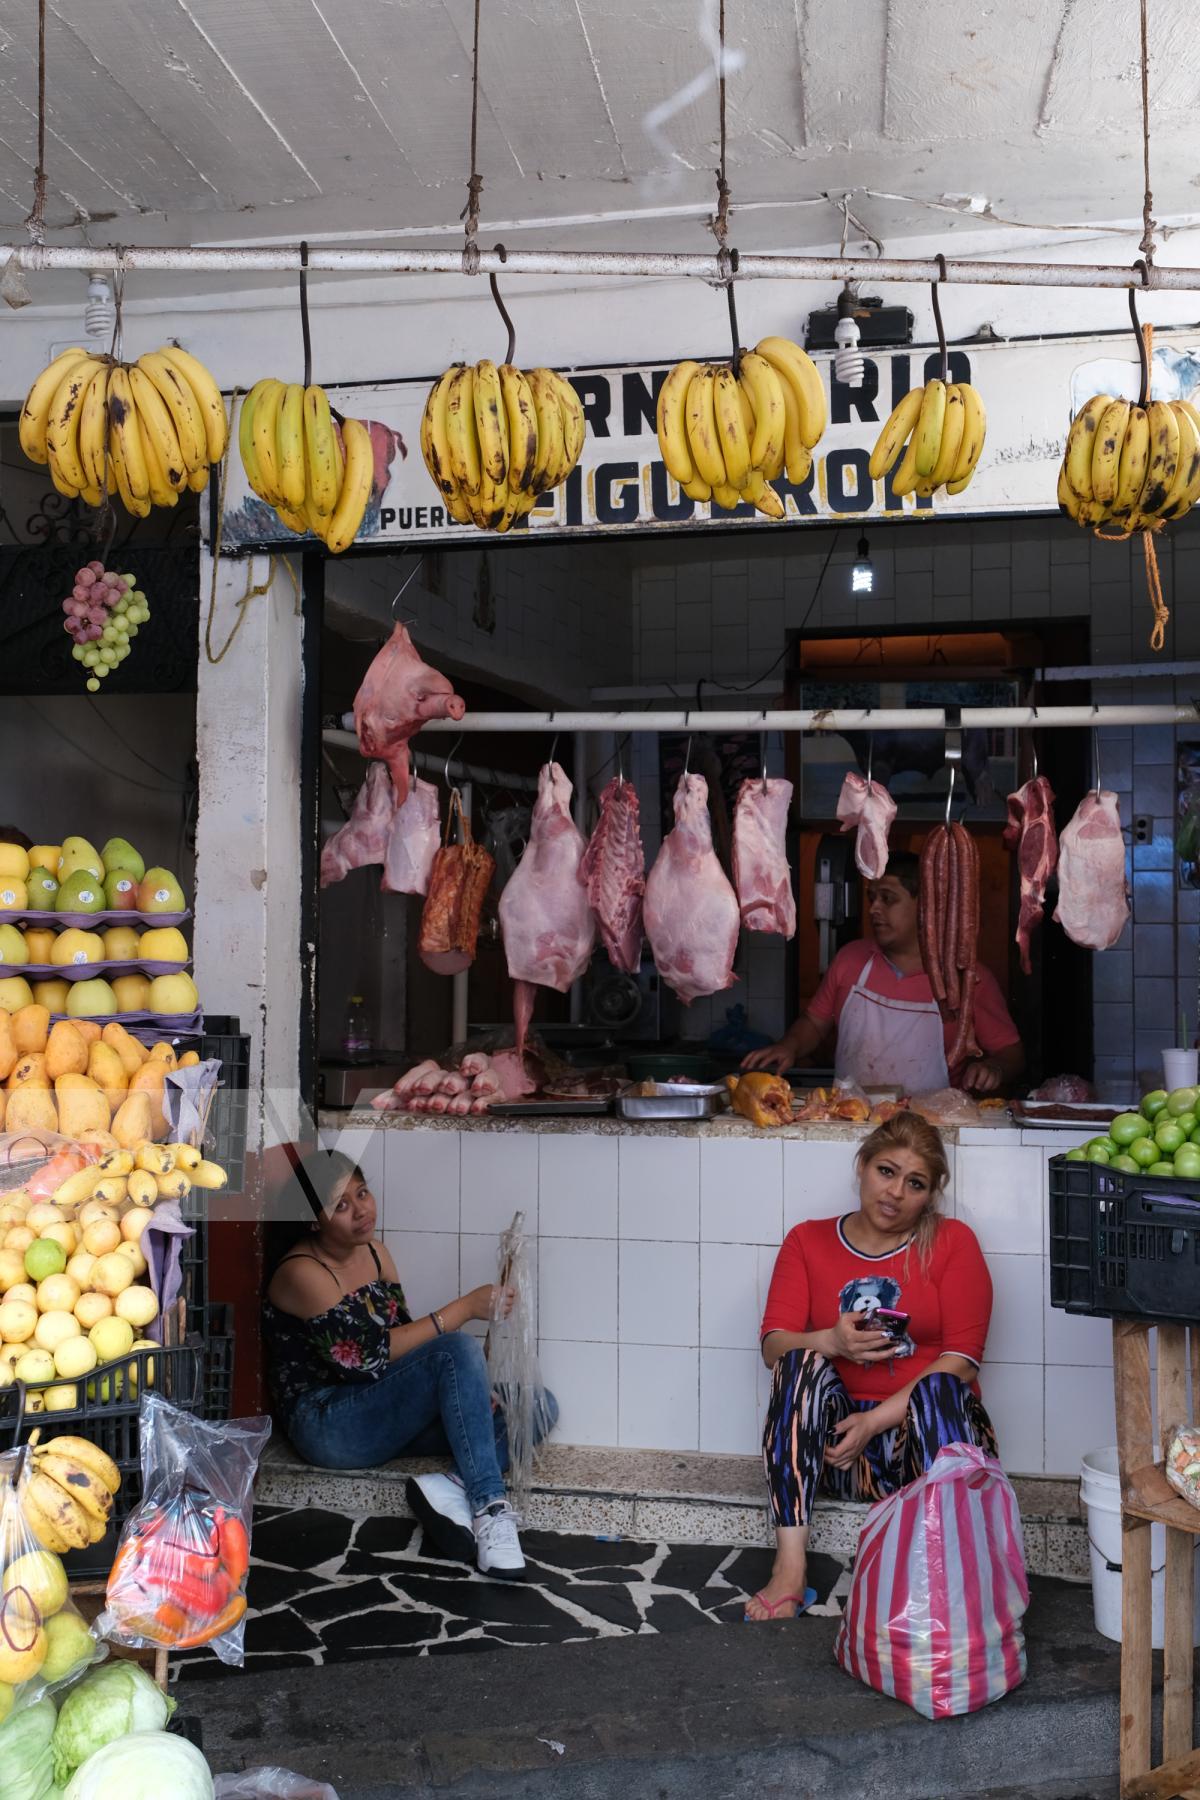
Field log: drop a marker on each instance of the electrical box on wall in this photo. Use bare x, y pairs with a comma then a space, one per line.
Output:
877, 324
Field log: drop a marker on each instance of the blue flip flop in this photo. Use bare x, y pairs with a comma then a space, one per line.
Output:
802, 1606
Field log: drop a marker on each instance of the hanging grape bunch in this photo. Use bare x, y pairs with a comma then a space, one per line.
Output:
103, 612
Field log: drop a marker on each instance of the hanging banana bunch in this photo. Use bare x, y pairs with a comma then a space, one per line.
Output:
495, 437
1132, 466
147, 430
940, 428
315, 471
727, 436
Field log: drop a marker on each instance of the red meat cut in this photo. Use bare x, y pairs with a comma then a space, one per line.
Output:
760, 868
691, 911
614, 872
1092, 904
547, 925
1030, 832
399, 694
867, 806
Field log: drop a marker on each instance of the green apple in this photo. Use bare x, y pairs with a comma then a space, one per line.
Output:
41, 890
1144, 1151
1127, 1126
1187, 1162
1181, 1100
77, 853
1153, 1102
120, 890
1161, 1168
1098, 1154
13, 949
1169, 1137
81, 892
91, 1000
119, 853
158, 891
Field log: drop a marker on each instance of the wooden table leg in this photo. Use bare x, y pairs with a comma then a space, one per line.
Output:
1135, 1649
1177, 1652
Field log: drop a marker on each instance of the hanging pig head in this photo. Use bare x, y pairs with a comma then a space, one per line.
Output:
399, 694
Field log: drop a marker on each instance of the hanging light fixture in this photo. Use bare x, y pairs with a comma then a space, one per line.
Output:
100, 310
849, 364
862, 578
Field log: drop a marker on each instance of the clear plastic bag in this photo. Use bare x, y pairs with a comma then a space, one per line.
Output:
270, 1784
179, 1578
44, 1641
1183, 1462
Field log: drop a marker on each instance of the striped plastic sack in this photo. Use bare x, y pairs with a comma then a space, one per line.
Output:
939, 1590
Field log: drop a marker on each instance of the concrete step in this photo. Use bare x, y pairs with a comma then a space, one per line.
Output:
663, 1497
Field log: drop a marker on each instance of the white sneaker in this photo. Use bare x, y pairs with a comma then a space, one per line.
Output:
497, 1542
440, 1503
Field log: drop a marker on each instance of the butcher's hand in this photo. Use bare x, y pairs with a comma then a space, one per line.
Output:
983, 1076
776, 1058
490, 1302
869, 1346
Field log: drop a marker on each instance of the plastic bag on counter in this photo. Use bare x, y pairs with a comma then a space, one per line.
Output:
1183, 1462
947, 1106
270, 1784
939, 1590
179, 1577
50, 1502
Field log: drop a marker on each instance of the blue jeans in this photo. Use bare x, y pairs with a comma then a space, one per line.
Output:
434, 1399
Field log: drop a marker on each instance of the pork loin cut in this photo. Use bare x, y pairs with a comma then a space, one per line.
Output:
1092, 898
413, 841
548, 928
760, 867
691, 911
614, 871
1030, 832
868, 808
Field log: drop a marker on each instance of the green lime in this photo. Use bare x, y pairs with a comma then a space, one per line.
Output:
1144, 1151
1153, 1103
1169, 1137
1186, 1122
1127, 1126
1098, 1154
1181, 1100
1126, 1164
1161, 1168
1102, 1143
1077, 1156
1187, 1162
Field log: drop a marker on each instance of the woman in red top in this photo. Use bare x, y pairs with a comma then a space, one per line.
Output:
858, 1410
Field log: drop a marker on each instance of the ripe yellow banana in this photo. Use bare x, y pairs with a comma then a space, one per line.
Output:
460, 430
551, 467
702, 430
491, 423
974, 433
672, 422
435, 444
1106, 451
47, 1507
928, 431
1080, 442
726, 496
798, 369
80, 1483
246, 438
731, 426
953, 426
1164, 456
904, 481
573, 424
88, 1455
695, 489
1135, 460
522, 427
207, 396
320, 456
35, 414
158, 432
264, 430
62, 424
289, 447
93, 430
764, 389
1186, 490
140, 508
896, 432
162, 490
126, 429
356, 491
763, 496
182, 405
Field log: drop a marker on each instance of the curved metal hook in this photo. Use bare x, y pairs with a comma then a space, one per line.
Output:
950, 791
763, 741
1096, 750
453, 753
400, 592
687, 755
502, 253
870, 755
940, 260
1143, 358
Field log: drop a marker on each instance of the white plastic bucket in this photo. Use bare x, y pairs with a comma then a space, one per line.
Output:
1179, 1068
1100, 1490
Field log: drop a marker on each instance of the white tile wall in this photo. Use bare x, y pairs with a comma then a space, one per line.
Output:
428, 1267
578, 1288
1018, 1290
577, 1185
423, 1180
730, 1415
999, 1193
741, 1191
818, 1180
583, 1379
1080, 1415
499, 1178
1014, 1396
659, 1184
734, 1279
659, 1293
659, 1398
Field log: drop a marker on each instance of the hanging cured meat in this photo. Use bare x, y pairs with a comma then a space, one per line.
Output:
691, 911
547, 924
761, 875
614, 871
866, 806
458, 886
399, 694
412, 842
1030, 832
948, 927
1092, 899
363, 839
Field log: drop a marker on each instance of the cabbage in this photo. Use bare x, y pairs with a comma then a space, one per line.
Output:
112, 1701
26, 1759
144, 1766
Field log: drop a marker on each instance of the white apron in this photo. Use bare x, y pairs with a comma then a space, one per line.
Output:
883, 1042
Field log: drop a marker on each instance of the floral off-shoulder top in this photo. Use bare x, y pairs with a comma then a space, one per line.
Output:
348, 1342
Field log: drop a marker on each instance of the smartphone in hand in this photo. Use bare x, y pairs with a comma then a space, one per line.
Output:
884, 1318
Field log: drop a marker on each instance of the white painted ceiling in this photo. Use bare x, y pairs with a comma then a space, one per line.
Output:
247, 120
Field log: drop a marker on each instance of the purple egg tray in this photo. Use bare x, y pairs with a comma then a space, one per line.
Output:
89, 921
149, 1028
88, 971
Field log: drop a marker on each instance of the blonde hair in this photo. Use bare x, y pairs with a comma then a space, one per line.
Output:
909, 1131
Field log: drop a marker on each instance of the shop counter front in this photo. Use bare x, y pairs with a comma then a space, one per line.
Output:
654, 1246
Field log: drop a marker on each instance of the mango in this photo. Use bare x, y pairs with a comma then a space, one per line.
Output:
108, 1072
30, 1108
66, 1052
30, 1070
81, 1105
31, 1028
133, 1121
131, 1052
8, 1046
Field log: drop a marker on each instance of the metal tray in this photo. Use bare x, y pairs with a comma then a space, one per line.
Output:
669, 1106
547, 1109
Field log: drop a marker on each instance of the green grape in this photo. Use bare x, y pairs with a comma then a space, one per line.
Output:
122, 652
138, 597
133, 631
93, 686
77, 652
90, 657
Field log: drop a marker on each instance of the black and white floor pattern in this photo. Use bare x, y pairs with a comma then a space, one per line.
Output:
327, 1588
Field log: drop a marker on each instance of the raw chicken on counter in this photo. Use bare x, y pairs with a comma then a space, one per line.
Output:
763, 1099
363, 839
1092, 904
760, 867
1030, 832
399, 694
866, 806
614, 871
413, 841
471, 1088
545, 919
691, 911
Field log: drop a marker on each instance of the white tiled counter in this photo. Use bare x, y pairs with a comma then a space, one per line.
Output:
654, 1250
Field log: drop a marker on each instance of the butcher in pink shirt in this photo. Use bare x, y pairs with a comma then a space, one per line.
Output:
889, 1030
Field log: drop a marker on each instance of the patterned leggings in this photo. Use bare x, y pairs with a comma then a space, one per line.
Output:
808, 1398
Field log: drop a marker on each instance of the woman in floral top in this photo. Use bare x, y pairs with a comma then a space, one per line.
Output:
357, 1381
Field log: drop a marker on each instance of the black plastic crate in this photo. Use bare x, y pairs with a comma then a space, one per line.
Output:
1123, 1246
228, 1119
218, 1363
193, 1260
178, 1376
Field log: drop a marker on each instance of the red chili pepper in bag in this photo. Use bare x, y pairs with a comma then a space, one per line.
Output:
235, 1549
219, 1626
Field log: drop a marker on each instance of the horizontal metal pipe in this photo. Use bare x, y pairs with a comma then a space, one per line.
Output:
658, 265
927, 718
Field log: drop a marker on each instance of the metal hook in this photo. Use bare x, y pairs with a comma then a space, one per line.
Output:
687, 755
400, 593
1139, 333
553, 744
950, 791
870, 755
453, 753
502, 253
940, 260
304, 326
620, 762
1033, 740
763, 738
733, 318
1096, 751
